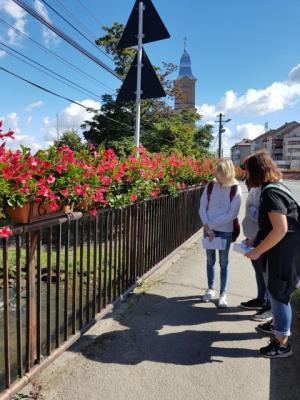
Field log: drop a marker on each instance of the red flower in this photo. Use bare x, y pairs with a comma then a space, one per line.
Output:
53, 206
93, 212
5, 232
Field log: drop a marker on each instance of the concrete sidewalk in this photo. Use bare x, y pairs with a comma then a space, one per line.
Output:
163, 343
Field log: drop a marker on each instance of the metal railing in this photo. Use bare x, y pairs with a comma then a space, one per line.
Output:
59, 274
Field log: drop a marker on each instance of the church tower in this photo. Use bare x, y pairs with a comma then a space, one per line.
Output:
186, 82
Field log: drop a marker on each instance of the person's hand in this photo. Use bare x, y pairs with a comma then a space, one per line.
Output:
205, 227
211, 235
248, 242
253, 254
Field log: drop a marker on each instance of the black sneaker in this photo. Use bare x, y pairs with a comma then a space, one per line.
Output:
264, 315
275, 350
254, 304
267, 328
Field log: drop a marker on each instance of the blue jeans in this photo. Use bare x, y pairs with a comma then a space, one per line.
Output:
282, 314
223, 259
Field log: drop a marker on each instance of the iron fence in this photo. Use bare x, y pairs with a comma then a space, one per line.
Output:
59, 274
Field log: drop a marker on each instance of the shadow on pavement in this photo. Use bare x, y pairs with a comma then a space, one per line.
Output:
159, 329
285, 373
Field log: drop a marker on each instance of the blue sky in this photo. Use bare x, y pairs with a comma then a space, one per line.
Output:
245, 55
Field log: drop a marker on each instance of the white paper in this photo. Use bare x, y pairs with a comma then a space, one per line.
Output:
216, 244
242, 248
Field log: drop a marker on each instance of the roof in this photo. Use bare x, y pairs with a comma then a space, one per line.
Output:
283, 130
244, 142
185, 67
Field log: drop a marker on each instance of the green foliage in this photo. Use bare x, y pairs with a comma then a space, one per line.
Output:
70, 138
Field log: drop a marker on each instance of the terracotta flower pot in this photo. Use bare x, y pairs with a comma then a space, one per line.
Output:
33, 211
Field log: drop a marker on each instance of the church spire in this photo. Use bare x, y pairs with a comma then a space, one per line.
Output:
185, 66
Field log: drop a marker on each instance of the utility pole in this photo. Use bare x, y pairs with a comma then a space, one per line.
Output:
57, 127
221, 131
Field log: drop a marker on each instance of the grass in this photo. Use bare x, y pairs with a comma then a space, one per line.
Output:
12, 260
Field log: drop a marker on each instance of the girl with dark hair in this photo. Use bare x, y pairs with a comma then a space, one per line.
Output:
278, 242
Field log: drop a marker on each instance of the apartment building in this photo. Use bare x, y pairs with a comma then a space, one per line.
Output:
283, 144
240, 151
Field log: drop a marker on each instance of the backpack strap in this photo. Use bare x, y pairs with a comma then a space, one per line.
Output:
280, 188
233, 192
210, 187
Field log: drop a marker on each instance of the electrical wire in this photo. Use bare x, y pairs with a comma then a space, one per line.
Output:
76, 29
61, 96
61, 59
72, 84
65, 37
74, 17
89, 13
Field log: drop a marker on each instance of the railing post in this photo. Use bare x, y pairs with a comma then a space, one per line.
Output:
31, 300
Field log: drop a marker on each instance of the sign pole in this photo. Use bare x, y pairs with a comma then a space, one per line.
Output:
139, 75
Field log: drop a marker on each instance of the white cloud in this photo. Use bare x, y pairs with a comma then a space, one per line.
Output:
294, 75
12, 121
248, 131
50, 38
18, 15
70, 118
255, 102
34, 105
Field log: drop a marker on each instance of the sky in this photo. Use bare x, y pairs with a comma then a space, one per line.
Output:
245, 56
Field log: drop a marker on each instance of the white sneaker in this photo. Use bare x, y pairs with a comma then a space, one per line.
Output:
209, 295
223, 301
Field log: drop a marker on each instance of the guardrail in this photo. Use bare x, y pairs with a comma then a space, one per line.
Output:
59, 274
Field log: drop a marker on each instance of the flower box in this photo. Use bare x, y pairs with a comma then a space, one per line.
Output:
34, 211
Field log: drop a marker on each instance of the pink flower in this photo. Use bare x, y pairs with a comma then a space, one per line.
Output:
134, 197
50, 179
65, 192
5, 232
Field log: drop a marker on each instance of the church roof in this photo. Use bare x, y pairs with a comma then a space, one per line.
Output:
185, 67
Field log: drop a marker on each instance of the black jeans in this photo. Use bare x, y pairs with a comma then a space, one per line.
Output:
259, 268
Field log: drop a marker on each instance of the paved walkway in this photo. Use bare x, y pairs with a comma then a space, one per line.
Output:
165, 344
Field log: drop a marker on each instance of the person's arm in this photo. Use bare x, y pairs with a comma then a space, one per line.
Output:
231, 214
279, 230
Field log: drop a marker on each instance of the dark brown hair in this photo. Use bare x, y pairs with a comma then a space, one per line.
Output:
261, 169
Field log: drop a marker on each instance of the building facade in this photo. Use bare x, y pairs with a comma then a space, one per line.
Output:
240, 151
186, 83
283, 145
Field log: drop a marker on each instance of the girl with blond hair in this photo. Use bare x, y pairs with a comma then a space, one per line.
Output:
219, 207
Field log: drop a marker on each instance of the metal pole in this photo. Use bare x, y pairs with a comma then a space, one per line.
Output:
139, 75
220, 135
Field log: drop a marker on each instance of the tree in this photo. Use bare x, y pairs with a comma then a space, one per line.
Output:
161, 128
70, 138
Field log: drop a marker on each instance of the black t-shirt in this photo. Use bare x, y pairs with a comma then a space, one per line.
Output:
275, 200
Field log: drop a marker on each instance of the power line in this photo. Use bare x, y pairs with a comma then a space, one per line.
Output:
63, 78
74, 18
65, 37
76, 29
61, 96
61, 59
71, 84
89, 13
90, 109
